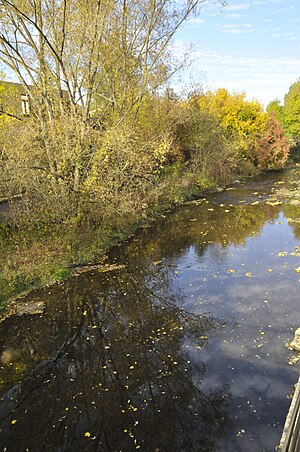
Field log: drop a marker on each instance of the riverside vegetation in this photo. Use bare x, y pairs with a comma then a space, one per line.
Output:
108, 144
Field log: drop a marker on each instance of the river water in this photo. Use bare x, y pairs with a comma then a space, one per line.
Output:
177, 345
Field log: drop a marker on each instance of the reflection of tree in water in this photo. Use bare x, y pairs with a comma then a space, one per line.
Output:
201, 228
121, 370
292, 213
290, 191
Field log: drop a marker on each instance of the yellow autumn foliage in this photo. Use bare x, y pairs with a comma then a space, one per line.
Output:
242, 120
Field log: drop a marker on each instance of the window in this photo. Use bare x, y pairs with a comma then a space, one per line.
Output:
25, 104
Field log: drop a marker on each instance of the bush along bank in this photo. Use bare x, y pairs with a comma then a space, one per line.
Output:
88, 184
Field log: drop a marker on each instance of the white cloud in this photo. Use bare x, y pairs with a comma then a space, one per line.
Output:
238, 7
196, 20
262, 78
282, 10
290, 35
234, 16
237, 28
263, 2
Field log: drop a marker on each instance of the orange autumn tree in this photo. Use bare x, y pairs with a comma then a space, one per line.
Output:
271, 150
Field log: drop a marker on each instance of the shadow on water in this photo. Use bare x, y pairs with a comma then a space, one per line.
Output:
178, 347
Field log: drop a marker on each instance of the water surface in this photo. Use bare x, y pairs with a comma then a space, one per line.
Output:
179, 346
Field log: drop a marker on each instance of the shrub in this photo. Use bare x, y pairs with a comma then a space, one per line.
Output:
271, 150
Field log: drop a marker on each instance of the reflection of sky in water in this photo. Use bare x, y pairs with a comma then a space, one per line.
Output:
260, 311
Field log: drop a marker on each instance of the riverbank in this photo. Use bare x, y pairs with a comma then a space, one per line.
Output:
35, 258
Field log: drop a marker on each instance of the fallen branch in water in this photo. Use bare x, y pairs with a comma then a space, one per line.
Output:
98, 266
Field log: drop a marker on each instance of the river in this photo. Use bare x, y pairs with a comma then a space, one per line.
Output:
178, 344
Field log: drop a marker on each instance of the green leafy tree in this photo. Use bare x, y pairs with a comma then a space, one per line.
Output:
292, 111
277, 109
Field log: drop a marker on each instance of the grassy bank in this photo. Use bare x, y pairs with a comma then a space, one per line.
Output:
32, 257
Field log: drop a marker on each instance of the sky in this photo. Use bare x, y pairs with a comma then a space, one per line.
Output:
251, 46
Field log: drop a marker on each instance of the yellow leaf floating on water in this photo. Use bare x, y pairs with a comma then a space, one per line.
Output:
270, 270
293, 360
262, 333
248, 274
297, 269
230, 270
14, 421
87, 434
274, 203
282, 253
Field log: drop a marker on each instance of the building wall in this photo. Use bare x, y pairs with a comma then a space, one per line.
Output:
13, 99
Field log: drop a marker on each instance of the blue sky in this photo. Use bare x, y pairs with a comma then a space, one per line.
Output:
251, 46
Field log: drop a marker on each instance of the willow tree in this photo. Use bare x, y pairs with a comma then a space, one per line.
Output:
107, 49
78, 59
